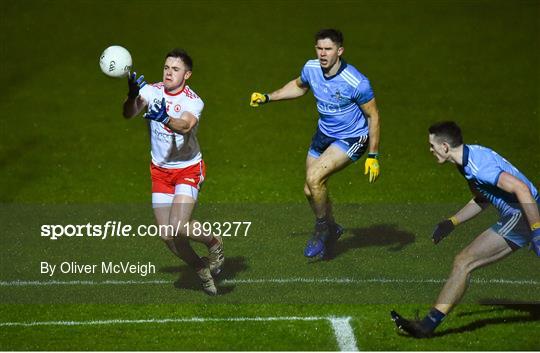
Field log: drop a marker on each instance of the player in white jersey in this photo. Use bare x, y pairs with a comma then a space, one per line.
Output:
348, 126
177, 167
493, 180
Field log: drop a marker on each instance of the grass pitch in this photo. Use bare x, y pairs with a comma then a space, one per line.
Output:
67, 156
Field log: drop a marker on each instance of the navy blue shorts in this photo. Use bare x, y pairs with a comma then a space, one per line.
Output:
354, 147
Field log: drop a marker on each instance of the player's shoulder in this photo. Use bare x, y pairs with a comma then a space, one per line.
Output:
312, 64
152, 91
481, 157
481, 152
353, 73
153, 87
191, 95
192, 101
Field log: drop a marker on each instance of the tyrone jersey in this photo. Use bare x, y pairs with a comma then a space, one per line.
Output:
339, 98
169, 149
482, 168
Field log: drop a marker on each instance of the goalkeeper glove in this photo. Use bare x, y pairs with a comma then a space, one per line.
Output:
158, 113
258, 98
535, 241
443, 229
135, 84
372, 166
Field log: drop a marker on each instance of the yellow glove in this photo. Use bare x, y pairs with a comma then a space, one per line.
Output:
258, 98
372, 166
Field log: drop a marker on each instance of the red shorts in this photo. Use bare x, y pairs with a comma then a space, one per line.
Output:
164, 180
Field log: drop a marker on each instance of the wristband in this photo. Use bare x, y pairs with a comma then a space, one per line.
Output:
267, 97
454, 220
373, 155
535, 226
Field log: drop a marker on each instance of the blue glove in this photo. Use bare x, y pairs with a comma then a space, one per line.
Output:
158, 113
535, 242
135, 84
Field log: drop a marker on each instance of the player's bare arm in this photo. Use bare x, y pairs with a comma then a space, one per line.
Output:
447, 226
184, 124
371, 112
511, 184
133, 107
294, 89
469, 211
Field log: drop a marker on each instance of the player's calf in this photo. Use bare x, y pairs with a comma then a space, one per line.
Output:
216, 257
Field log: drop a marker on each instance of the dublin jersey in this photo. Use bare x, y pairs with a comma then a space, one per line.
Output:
169, 149
339, 98
482, 168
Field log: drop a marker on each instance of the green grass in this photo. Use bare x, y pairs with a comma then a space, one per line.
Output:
67, 156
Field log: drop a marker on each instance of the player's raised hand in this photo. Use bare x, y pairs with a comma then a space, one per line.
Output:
258, 98
135, 84
442, 230
372, 167
158, 113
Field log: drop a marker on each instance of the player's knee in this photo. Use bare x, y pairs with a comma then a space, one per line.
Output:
307, 191
313, 181
463, 262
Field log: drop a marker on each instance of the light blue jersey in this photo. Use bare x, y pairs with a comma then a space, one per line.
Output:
482, 168
339, 98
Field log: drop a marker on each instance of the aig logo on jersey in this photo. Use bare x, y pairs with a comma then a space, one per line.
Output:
328, 107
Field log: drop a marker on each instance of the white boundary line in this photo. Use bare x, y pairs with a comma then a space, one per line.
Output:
29, 283
341, 326
344, 334
372, 280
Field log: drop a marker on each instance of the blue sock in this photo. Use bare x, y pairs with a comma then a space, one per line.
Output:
432, 319
321, 226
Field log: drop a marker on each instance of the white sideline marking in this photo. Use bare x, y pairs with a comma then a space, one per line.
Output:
23, 283
161, 321
344, 334
371, 280
76, 282
343, 331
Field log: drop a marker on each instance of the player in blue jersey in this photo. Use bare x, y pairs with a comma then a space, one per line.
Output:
493, 180
348, 126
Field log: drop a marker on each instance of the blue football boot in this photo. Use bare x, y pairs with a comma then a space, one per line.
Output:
316, 246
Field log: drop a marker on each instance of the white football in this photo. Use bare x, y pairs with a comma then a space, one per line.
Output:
115, 61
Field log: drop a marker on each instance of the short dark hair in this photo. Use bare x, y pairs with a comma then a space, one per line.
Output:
334, 35
447, 131
183, 55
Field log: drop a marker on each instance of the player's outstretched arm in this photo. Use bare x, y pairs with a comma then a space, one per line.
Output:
184, 124
294, 89
470, 210
134, 103
371, 112
511, 184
